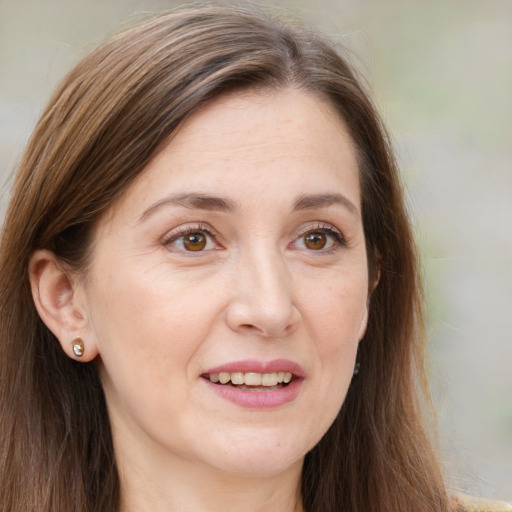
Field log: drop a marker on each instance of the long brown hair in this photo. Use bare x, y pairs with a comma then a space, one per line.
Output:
107, 120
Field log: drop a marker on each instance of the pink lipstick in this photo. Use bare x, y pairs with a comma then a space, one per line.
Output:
256, 384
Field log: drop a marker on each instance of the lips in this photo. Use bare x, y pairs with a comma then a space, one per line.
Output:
256, 384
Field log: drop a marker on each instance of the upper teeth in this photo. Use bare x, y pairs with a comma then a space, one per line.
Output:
251, 378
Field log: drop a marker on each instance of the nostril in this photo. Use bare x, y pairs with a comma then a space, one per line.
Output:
250, 327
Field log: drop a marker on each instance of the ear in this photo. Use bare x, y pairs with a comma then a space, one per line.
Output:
374, 270
59, 300
364, 322
374, 265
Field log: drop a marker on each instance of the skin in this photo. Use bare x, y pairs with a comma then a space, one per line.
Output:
157, 315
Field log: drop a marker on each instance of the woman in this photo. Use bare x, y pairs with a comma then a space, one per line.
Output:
210, 294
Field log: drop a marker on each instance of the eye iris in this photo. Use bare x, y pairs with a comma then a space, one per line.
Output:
315, 241
194, 242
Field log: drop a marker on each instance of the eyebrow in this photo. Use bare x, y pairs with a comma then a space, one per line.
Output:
198, 201
309, 202
195, 201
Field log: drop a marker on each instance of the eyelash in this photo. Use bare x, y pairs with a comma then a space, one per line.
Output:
182, 232
327, 229
204, 229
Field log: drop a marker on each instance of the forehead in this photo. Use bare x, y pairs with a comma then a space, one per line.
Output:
248, 122
268, 143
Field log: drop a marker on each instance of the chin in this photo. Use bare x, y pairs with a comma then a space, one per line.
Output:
261, 455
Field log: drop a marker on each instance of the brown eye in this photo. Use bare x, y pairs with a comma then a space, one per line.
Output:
194, 242
188, 239
315, 241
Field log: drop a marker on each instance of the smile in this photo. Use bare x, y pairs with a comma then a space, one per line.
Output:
256, 385
251, 380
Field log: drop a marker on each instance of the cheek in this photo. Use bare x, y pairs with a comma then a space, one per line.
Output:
338, 312
336, 318
334, 322
149, 328
147, 331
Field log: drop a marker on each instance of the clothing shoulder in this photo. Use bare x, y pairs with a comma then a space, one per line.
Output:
465, 503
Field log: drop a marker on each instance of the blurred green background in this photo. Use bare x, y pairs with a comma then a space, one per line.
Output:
441, 74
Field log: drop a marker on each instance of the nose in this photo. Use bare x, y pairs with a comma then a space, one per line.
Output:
262, 297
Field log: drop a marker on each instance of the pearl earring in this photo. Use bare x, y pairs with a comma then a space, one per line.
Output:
78, 347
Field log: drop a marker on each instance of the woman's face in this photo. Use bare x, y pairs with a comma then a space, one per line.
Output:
234, 263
